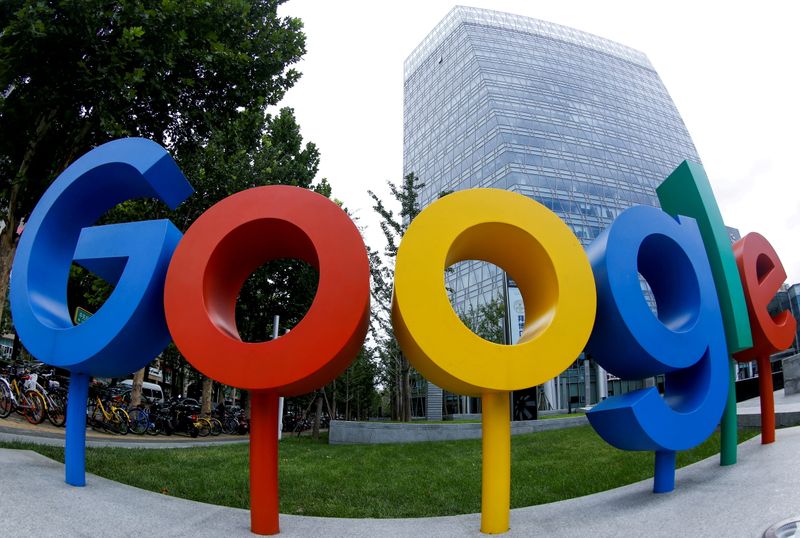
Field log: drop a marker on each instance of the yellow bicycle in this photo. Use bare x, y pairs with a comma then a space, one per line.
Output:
208, 425
114, 419
18, 394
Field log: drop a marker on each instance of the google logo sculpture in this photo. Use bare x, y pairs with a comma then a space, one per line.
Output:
185, 288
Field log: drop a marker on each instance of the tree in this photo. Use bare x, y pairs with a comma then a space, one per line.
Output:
77, 73
396, 366
487, 321
353, 392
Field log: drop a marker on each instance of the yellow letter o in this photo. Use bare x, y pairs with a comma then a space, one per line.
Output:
538, 251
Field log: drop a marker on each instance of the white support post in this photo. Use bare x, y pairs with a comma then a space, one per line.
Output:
275, 322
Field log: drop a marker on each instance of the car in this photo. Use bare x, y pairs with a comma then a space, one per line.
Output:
151, 391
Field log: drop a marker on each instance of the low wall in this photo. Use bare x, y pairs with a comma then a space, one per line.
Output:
477, 416
368, 433
783, 419
791, 374
462, 416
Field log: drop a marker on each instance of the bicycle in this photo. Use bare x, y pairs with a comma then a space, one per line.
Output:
140, 421
230, 424
56, 399
114, 420
235, 421
7, 403
208, 425
149, 418
22, 399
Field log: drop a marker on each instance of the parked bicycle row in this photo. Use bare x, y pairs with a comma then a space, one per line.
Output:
38, 395
109, 411
35, 395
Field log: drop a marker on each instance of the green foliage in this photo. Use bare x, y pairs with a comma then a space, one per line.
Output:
193, 75
396, 370
487, 321
76, 73
407, 195
363, 374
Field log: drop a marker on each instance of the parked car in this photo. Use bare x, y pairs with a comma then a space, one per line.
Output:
151, 391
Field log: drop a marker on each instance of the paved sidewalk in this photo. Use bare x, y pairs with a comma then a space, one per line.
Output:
787, 411
783, 403
741, 500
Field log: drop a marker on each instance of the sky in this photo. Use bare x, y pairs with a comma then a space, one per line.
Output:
731, 69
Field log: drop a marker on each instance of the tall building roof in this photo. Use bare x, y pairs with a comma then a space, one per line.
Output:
486, 17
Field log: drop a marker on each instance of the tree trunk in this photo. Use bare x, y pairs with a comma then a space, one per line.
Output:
136, 390
8, 247
207, 385
347, 397
334, 411
8, 238
327, 403
406, 379
396, 414
317, 418
398, 401
15, 348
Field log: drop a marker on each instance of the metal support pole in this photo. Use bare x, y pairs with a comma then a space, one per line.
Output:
767, 400
263, 463
75, 436
275, 322
496, 471
602, 388
587, 383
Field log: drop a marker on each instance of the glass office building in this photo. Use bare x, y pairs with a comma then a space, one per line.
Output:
787, 298
581, 124
793, 295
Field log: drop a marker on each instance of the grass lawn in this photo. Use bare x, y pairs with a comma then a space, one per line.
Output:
407, 480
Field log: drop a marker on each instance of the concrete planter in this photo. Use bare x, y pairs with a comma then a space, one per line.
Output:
791, 374
360, 433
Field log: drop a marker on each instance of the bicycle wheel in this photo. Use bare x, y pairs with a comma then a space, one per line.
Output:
139, 421
97, 420
121, 421
203, 427
6, 401
35, 408
57, 410
20, 407
228, 426
216, 426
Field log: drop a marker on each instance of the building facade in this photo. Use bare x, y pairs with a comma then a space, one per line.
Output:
787, 298
579, 123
